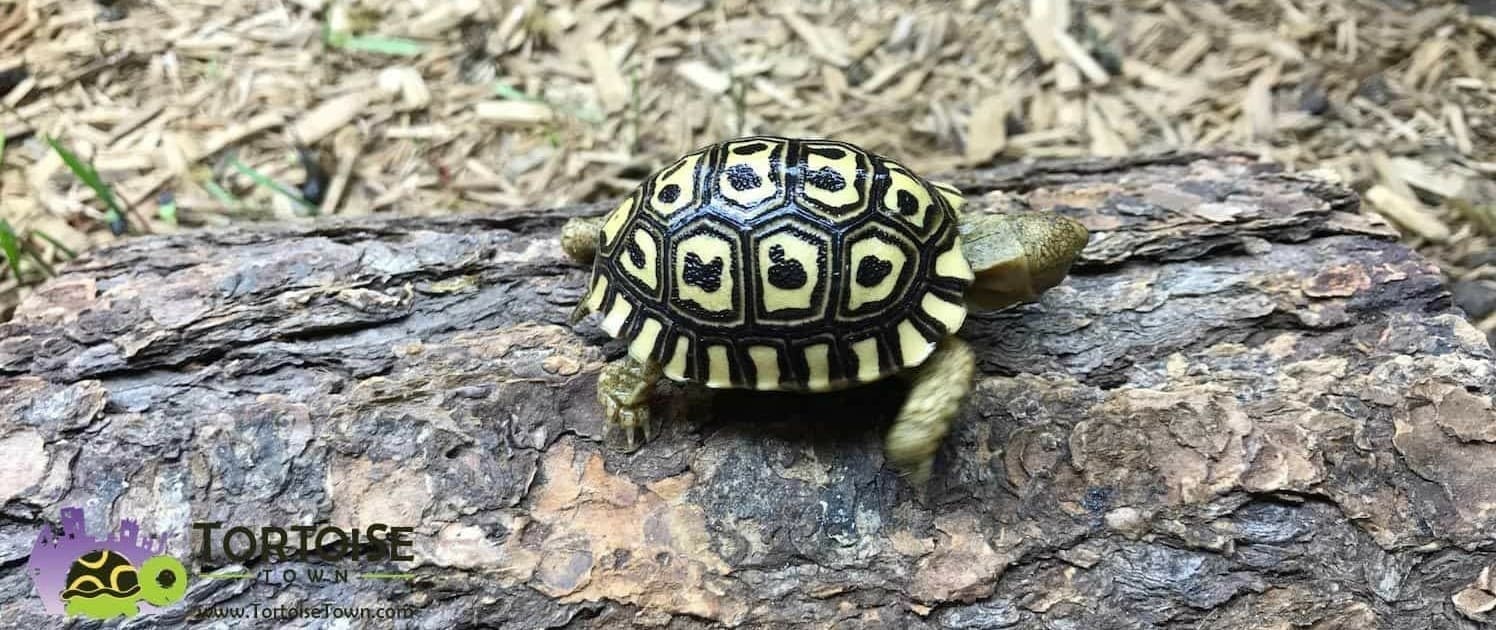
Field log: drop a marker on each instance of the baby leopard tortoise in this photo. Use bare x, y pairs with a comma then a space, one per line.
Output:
770, 263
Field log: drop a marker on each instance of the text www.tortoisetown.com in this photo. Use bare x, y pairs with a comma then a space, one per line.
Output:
325, 610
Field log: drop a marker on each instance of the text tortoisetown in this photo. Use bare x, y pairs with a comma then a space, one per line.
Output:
376, 543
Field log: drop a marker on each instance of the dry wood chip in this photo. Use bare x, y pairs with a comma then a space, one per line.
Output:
441, 17
907, 87
824, 44
612, 90
236, 132
1188, 53
19, 92
1426, 67
517, 113
1104, 139
1390, 175
1440, 182
127, 161
1067, 79
778, 94
709, 79
419, 132
1258, 104
1082, 59
509, 35
175, 152
331, 115
987, 129
1041, 35
1407, 213
1279, 48
347, 145
1324, 84
1045, 19
835, 84
668, 14
1459, 129
408, 83
142, 116
883, 76
1147, 105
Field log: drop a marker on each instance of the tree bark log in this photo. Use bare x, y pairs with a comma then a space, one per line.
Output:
1248, 407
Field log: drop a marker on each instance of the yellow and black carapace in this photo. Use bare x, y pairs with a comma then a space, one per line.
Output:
809, 265
769, 263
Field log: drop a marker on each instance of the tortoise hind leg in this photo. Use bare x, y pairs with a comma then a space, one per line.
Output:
623, 389
935, 395
579, 238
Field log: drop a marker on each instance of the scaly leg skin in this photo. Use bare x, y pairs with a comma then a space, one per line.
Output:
579, 241
935, 395
623, 389
579, 238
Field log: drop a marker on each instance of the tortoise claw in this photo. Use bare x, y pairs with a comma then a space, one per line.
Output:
623, 389
628, 429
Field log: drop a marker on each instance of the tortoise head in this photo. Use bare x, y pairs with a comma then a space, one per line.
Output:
1017, 257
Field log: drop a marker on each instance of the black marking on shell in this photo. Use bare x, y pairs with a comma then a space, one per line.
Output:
829, 319
787, 274
636, 255
831, 153
827, 178
908, 205
871, 270
669, 193
705, 276
741, 177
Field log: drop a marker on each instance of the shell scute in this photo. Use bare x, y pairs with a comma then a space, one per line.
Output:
782, 264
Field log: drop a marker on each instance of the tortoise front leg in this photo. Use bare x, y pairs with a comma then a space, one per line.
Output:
579, 238
939, 386
623, 389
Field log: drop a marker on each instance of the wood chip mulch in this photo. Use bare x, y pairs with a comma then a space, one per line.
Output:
479, 105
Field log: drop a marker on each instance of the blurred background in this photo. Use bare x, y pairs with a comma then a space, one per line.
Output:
126, 117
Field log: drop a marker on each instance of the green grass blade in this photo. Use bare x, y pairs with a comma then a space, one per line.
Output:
393, 46
167, 212
56, 243
223, 196
261, 180
2, 147
85, 171
11, 247
510, 92
37, 258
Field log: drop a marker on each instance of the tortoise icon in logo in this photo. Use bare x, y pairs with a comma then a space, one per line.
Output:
119, 574
103, 584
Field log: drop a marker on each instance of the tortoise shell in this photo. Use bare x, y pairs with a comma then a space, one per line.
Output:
781, 264
100, 573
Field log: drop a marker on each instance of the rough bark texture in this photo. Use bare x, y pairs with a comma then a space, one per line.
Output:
1249, 407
